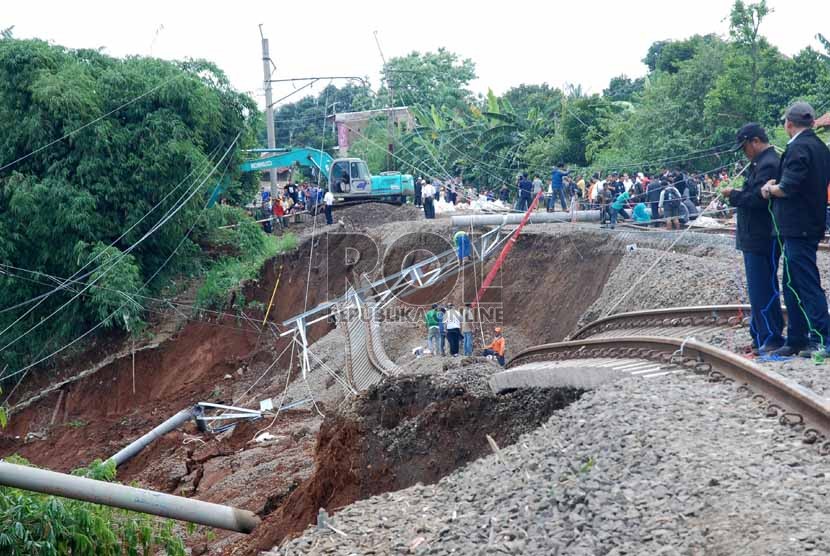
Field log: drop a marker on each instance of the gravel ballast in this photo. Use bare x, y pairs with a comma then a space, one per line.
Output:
669, 465
664, 466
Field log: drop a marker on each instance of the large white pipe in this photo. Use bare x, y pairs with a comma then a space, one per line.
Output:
174, 422
465, 220
128, 498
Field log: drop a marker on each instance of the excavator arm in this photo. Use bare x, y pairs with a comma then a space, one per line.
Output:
311, 158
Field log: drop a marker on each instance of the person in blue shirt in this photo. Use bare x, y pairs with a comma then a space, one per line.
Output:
641, 214
557, 187
442, 330
618, 207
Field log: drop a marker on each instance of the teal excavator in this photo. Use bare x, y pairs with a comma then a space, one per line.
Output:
346, 178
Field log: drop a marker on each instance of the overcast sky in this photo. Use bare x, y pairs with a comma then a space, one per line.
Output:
520, 41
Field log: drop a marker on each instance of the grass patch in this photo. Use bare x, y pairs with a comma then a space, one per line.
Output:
228, 276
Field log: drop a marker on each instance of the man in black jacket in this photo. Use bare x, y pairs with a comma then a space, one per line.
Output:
655, 187
754, 238
525, 192
799, 203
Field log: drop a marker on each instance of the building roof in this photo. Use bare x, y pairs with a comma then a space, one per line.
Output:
824, 121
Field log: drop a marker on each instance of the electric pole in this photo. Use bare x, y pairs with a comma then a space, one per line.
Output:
390, 144
269, 109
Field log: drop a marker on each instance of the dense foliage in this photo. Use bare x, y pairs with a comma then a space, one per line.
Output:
157, 131
684, 112
245, 249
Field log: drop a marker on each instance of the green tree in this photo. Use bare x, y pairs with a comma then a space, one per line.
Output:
623, 88
666, 56
546, 100
428, 79
669, 116
744, 23
153, 133
302, 123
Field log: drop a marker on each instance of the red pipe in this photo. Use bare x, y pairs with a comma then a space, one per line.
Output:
506, 250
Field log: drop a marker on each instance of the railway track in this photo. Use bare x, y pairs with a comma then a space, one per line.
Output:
656, 343
682, 322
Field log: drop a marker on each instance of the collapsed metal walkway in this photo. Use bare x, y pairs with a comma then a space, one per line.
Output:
357, 311
366, 359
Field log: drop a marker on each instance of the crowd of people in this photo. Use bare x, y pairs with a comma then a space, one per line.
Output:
669, 197
296, 198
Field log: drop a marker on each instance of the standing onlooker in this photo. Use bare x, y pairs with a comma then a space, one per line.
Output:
328, 199
467, 325
265, 216
452, 319
580, 184
754, 238
607, 197
557, 187
428, 195
537, 185
504, 194
653, 191
433, 332
442, 329
291, 189
799, 205
279, 213
617, 185
419, 183
525, 189
669, 203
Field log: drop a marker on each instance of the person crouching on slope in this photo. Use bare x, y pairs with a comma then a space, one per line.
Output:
496, 347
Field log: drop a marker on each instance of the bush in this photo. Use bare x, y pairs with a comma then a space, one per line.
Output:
33, 524
228, 276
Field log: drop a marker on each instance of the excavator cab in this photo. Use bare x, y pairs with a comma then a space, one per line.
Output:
350, 176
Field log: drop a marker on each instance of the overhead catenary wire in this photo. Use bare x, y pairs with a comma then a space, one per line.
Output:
124, 253
78, 274
658, 260
92, 122
113, 313
165, 301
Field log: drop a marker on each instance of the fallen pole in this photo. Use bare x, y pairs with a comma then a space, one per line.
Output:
174, 422
506, 250
467, 220
128, 498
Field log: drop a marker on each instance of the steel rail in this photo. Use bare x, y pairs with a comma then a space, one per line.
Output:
724, 315
780, 396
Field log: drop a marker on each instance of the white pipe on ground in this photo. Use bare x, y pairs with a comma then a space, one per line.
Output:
174, 422
467, 220
128, 498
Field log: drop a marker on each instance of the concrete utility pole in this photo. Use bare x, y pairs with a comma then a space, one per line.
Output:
390, 144
128, 498
269, 108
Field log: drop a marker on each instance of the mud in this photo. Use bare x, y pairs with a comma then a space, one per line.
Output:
413, 429
407, 430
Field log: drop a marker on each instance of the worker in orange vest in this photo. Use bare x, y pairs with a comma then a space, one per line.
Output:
496, 347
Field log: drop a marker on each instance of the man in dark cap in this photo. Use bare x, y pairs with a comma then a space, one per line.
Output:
754, 238
799, 203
